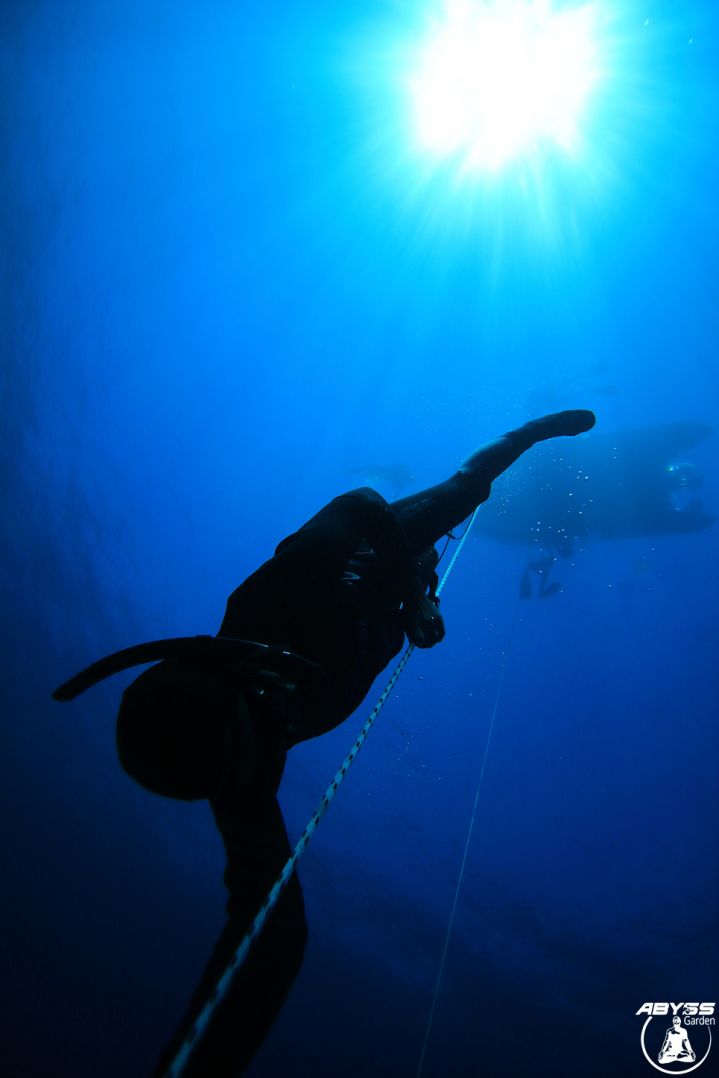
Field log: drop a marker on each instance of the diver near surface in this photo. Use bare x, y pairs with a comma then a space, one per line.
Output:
342, 592
617, 485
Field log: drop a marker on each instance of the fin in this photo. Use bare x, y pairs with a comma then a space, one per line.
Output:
258, 659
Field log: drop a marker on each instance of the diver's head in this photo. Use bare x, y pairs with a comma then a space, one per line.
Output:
676, 1020
684, 476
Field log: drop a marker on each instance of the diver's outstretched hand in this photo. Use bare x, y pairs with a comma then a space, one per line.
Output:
573, 421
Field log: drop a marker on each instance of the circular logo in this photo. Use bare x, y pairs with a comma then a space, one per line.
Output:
676, 1054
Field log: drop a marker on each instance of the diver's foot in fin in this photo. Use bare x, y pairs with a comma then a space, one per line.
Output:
574, 421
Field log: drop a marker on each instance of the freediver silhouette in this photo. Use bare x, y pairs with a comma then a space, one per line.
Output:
215, 718
539, 566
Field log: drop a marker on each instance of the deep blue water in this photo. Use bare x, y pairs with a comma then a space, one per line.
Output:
230, 289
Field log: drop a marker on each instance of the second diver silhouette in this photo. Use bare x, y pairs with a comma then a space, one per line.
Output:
627, 484
540, 567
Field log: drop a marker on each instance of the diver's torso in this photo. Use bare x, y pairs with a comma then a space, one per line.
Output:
330, 593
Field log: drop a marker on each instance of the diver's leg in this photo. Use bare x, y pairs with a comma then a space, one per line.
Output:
257, 848
431, 513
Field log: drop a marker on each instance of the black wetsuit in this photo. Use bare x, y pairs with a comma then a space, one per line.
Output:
333, 592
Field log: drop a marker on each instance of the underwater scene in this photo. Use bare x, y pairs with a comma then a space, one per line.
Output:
332, 330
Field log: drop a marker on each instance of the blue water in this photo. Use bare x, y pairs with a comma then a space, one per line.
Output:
230, 285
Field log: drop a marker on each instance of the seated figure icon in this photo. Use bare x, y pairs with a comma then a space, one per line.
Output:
676, 1047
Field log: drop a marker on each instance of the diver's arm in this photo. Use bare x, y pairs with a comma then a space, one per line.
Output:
432, 513
422, 621
495, 457
425, 571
